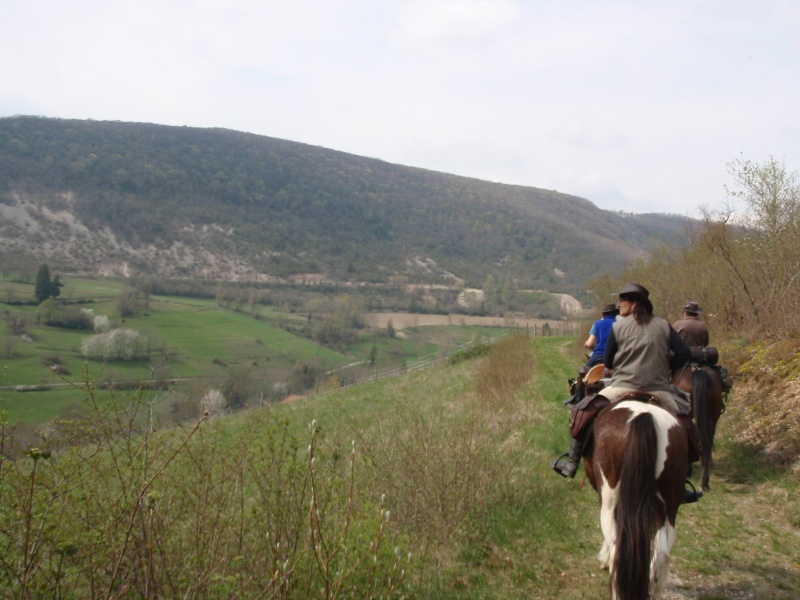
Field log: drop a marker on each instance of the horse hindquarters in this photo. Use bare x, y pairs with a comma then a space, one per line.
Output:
635, 514
637, 464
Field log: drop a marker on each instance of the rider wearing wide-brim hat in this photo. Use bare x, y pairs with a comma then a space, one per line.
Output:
598, 334
642, 351
691, 327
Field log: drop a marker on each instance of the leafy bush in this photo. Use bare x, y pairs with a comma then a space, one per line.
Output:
119, 344
57, 314
476, 350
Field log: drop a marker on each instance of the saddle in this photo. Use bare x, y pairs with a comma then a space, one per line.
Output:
585, 412
594, 379
709, 356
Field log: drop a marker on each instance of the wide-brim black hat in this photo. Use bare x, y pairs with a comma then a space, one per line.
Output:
638, 291
610, 309
693, 307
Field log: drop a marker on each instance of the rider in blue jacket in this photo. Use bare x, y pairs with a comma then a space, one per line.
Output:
598, 335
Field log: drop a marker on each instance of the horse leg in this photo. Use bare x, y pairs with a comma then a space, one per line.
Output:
608, 507
701, 394
707, 460
662, 546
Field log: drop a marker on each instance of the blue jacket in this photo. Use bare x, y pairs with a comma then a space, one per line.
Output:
600, 330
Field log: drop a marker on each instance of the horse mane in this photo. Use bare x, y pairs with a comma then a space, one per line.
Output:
636, 519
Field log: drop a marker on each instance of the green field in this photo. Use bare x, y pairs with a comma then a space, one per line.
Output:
194, 340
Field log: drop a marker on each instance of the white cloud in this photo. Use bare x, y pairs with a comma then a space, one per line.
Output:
456, 19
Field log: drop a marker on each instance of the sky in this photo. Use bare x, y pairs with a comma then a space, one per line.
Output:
636, 105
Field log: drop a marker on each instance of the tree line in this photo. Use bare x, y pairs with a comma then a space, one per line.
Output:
741, 262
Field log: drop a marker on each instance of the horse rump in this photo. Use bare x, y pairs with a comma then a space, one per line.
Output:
637, 464
636, 517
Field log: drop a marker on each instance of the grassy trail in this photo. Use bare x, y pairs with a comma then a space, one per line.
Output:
742, 540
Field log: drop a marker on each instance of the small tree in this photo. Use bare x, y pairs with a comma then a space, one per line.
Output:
126, 302
373, 355
55, 287
44, 286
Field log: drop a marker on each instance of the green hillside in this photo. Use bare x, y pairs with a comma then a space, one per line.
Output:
139, 199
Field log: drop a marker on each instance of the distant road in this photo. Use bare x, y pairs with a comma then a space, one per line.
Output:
401, 320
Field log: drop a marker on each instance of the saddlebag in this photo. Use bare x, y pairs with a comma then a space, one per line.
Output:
584, 414
704, 355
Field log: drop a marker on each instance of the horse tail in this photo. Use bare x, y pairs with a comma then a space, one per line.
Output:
635, 512
701, 390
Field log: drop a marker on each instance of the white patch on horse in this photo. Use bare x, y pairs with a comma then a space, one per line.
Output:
665, 422
659, 566
608, 522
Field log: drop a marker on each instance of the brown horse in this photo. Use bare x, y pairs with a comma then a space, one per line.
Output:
636, 461
704, 386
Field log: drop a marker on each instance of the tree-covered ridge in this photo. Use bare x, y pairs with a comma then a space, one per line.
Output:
203, 202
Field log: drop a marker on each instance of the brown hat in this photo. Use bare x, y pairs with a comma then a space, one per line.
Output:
637, 291
610, 309
693, 307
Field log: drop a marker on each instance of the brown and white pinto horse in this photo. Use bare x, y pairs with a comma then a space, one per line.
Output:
636, 461
704, 386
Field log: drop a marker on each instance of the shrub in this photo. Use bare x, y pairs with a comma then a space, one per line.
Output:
508, 367
119, 344
50, 360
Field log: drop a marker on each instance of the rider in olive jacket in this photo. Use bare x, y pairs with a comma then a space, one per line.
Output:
643, 357
642, 351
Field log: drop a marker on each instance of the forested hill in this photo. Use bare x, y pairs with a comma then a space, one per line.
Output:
132, 198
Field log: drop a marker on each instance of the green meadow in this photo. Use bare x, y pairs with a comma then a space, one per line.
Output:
195, 344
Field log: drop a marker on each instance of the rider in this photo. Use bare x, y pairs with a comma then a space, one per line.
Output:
642, 350
598, 334
691, 328
695, 332
596, 342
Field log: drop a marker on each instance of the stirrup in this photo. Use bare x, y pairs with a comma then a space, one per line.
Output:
561, 466
691, 496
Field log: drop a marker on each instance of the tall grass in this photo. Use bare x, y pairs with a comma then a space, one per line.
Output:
111, 506
114, 508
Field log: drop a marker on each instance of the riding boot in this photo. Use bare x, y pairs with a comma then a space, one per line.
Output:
566, 465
